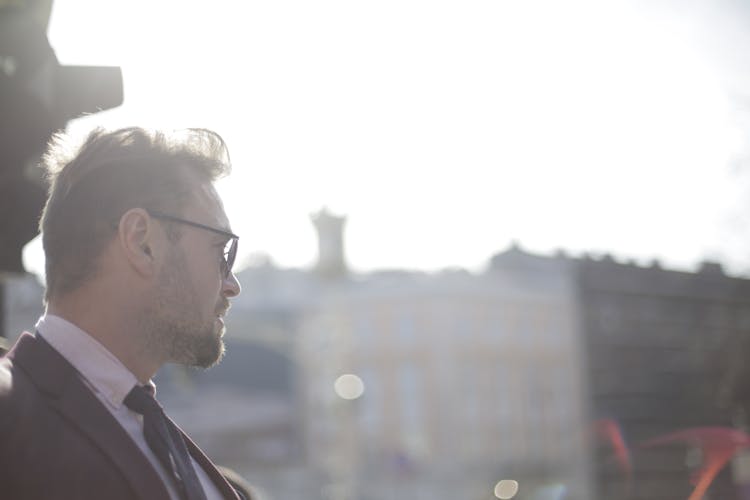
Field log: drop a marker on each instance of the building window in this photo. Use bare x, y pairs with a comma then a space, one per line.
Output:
405, 328
411, 399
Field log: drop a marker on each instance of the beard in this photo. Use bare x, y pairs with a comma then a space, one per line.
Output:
173, 324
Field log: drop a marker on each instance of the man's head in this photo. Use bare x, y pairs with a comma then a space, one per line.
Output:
144, 202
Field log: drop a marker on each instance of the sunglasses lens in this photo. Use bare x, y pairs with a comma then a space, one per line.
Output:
231, 254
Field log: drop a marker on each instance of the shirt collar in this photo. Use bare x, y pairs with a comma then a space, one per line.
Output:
99, 367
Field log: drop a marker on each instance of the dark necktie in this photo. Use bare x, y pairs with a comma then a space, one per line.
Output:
166, 442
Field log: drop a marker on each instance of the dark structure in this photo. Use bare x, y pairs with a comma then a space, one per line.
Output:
38, 96
665, 352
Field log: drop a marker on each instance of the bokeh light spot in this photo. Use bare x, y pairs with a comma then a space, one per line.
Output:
505, 489
349, 386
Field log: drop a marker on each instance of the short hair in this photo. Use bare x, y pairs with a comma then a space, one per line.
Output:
91, 188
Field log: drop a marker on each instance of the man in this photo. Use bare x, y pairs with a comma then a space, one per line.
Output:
139, 256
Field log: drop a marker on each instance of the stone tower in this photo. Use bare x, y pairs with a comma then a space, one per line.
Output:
330, 228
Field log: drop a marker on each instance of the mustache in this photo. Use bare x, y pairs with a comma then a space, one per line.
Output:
225, 306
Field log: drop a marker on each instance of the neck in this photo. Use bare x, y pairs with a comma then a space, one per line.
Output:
113, 327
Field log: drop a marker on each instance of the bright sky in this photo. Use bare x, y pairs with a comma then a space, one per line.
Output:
443, 129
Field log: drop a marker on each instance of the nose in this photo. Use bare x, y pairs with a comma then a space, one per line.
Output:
231, 286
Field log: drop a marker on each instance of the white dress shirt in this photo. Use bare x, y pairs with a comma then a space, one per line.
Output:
110, 381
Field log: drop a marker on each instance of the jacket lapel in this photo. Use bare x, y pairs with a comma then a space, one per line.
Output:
226, 489
67, 393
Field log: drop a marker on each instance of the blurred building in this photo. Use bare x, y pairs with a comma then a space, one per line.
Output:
467, 380
666, 351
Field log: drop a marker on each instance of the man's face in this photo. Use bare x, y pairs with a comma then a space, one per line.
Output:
193, 292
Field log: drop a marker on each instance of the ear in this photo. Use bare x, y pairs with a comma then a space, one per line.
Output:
136, 234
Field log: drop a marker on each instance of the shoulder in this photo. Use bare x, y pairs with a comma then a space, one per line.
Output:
20, 405
6, 394
11, 381
20, 398
6, 377
16, 392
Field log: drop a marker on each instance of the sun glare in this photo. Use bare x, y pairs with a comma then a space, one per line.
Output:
471, 124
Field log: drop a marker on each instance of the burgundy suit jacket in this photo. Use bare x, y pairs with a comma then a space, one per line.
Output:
58, 441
